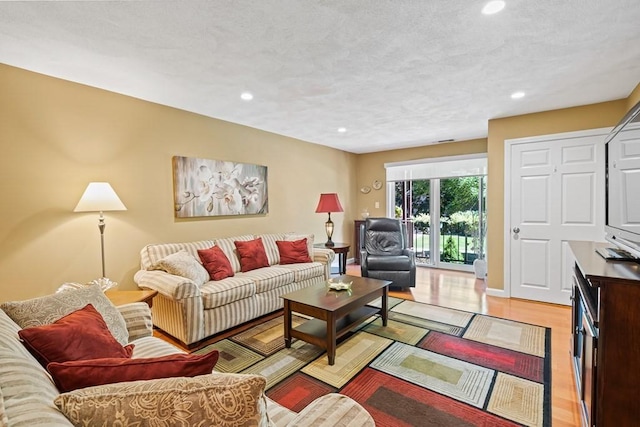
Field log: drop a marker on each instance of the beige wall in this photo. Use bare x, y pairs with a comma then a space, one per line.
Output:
370, 167
57, 136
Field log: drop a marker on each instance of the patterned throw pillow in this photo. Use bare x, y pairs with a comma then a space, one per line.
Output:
79, 335
216, 263
252, 255
207, 400
46, 310
183, 264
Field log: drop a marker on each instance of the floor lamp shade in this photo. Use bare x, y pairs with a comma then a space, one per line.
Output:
100, 197
328, 203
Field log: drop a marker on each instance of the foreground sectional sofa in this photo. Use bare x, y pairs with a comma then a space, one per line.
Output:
193, 308
28, 392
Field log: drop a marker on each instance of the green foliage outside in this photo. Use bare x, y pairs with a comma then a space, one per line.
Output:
459, 216
450, 250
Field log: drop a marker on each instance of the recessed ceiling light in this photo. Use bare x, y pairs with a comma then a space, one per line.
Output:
517, 95
492, 7
342, 130
246, 96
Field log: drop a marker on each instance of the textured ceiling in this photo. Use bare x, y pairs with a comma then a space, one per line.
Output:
395, 73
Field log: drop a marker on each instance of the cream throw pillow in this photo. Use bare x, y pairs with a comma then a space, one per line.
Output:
48, 309
297, 236
183, 264
206, 400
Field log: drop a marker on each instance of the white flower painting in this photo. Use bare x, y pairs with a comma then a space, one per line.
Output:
204, 187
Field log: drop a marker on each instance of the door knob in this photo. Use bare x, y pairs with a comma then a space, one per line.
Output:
516, 230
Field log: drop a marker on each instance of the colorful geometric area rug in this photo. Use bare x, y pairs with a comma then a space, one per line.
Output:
430, 366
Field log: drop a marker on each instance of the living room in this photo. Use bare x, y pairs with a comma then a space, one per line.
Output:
58, 136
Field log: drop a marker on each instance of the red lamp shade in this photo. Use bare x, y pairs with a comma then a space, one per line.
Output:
329, 203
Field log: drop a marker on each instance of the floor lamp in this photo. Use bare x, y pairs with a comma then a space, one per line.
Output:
100, 197
328, 203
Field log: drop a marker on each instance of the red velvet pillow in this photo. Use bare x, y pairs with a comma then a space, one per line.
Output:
216, 263
293, 252
252, 254
80, 335
76, 374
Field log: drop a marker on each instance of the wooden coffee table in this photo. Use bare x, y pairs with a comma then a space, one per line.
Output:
334, 312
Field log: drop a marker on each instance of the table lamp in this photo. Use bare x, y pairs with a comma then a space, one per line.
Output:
329, 203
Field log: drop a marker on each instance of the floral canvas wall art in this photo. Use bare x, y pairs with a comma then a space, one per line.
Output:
204, 187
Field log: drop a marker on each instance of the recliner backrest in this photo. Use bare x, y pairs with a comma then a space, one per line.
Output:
384, 236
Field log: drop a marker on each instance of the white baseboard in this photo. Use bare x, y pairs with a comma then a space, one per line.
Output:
500, 293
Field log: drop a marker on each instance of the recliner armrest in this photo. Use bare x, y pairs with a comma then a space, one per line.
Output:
363, 261
411, 254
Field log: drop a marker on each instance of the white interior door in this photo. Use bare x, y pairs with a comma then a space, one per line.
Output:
555, 189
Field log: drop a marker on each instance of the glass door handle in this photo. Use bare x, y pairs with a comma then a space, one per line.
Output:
516, 230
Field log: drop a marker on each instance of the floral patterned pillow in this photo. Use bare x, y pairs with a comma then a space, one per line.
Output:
206, 400
183, 264
48, 309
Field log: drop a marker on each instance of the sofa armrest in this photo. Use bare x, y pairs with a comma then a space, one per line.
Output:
323, 255
333, 410
137, 317
169, 285
326, 257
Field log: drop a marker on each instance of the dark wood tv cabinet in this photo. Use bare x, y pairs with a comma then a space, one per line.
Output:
605, 347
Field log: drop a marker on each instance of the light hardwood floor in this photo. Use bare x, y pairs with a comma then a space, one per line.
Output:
464, 292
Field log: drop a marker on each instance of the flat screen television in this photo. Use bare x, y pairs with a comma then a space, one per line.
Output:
622, 175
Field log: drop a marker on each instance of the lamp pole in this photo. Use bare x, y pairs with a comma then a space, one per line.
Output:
101, 226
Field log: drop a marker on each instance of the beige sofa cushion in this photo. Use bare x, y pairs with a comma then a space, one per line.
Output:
270, 247
304, 271
46, 310
269, 278
211, 400
229, 249
217, 293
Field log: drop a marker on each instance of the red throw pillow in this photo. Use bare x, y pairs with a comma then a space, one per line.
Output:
216, 263
293, 252
252, 254
80, 335
77, 374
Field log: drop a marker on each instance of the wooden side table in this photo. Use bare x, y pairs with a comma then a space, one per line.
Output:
127, 297
341, 250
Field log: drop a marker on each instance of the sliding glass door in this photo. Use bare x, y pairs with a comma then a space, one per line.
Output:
445, 219
413, 206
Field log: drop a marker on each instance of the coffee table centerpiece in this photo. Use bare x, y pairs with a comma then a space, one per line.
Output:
334, 312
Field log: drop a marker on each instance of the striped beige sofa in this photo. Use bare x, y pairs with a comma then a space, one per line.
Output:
191, 313
27, 392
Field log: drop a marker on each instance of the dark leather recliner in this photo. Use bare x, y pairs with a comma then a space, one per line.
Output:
385, 254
